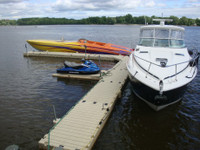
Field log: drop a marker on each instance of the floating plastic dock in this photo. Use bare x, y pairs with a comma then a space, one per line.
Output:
81, 77
104, 57
81, 126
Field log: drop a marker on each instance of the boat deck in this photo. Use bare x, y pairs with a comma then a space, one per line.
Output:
81, 126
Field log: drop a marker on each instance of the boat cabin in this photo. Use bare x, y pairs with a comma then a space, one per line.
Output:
162, 36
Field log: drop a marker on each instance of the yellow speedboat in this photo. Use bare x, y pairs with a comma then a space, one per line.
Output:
80, 46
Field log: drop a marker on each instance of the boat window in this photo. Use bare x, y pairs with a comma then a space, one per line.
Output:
177, 43
146, 42
147, 33
161, 43
162, 37
162, 33
177, 34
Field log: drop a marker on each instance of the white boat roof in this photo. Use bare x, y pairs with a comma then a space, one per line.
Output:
162, 27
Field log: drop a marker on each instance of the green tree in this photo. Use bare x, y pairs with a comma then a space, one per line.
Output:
128, 19
120, 20
148, 20
140, 20
191, 22
197, 22
111, 20
103, 20
175, 20
183, 21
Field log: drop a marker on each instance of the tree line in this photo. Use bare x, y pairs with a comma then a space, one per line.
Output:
127, 19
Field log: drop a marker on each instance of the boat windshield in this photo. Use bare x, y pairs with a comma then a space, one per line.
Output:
162, 37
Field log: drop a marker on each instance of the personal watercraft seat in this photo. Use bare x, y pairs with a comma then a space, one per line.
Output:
73, 65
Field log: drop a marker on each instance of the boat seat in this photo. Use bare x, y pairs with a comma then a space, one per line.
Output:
73, 65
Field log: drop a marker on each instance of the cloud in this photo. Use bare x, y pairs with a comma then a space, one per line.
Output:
193, 1
79, 9
10, 9
190, 12
91, 5
150, 4
69, 5
11, 1
161, 5
22, 9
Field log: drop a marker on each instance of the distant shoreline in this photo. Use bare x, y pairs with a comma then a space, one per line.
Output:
88, 25
119, 20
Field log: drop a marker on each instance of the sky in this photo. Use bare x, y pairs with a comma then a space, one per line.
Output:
78, 9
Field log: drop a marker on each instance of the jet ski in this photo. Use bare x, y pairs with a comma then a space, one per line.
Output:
87, 67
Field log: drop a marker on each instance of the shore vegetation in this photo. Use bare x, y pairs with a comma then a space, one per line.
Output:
127, 19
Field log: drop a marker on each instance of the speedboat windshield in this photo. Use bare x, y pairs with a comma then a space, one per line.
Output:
162, 37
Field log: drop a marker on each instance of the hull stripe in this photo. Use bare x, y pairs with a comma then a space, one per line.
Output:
98, 51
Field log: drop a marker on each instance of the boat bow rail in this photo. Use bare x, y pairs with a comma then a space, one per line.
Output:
192, 62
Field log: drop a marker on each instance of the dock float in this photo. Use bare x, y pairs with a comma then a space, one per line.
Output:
80, 127
94, 77
104, 57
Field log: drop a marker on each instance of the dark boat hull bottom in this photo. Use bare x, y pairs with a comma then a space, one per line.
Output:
154, 99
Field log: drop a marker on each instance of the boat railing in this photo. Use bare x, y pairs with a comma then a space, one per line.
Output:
191, 62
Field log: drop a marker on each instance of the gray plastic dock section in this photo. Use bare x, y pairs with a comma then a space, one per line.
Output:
77, 76
73, 55
81, 126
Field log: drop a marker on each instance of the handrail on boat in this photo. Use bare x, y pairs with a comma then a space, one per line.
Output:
192, 62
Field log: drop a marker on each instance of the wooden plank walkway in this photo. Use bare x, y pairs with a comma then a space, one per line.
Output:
81, 126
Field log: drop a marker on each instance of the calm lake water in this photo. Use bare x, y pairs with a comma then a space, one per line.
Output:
28, 91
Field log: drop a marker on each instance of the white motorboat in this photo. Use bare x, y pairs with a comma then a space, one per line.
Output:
161, 66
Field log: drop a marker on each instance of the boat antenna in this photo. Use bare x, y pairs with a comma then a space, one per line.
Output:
162, 21
145, 21
62, 38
